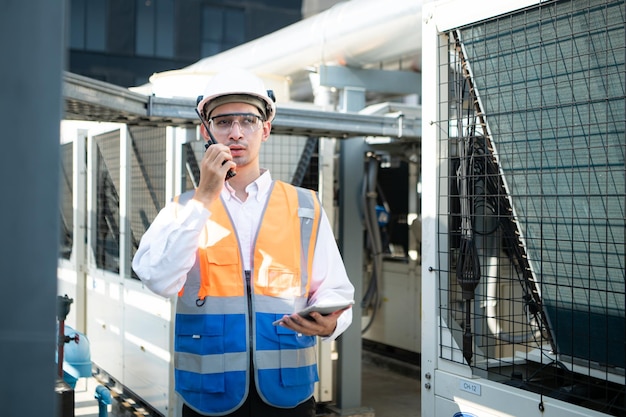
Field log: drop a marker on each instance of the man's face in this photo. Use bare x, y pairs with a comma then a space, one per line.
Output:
240, 127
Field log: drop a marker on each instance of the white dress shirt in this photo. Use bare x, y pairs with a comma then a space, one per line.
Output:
168, 248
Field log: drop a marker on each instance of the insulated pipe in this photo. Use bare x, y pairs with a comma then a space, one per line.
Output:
491, 304
356, 33
486, 245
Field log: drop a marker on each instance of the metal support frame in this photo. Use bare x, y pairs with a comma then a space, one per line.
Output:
87, 99
390, 82
31, 44
125, 174
351, 245
79, 251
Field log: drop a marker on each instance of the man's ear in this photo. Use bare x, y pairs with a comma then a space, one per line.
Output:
267, 128
203, 132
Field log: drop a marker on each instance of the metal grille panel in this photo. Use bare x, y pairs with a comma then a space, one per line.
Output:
66, 200
536, 149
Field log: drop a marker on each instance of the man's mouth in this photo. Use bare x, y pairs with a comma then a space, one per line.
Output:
237, 150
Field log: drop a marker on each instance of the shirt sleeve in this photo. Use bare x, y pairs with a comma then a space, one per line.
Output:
167, 250
329, 282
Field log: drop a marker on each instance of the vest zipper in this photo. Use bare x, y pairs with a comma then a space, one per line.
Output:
250, 313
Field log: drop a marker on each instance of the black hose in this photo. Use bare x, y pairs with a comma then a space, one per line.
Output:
371, 298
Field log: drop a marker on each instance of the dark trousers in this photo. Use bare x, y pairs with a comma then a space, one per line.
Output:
255, 407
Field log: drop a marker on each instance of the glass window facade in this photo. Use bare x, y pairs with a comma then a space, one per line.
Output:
125, 42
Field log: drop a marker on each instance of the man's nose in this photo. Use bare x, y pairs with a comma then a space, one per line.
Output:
236, 131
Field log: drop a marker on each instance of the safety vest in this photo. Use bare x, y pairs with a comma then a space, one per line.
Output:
221, 306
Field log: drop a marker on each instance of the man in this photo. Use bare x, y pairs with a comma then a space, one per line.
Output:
244, 255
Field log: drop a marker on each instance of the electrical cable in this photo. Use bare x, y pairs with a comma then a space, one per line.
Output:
468, 263
486, 222
371, 297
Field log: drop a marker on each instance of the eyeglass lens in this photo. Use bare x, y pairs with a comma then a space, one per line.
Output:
248, 122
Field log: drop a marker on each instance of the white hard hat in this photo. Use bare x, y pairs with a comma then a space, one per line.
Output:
237, 86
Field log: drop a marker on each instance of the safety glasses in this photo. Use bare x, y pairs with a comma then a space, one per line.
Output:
248, 123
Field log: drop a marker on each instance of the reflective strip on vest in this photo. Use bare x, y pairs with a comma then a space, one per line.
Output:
211, 364
212, 354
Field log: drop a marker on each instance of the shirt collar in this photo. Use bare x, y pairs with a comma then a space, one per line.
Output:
258, 188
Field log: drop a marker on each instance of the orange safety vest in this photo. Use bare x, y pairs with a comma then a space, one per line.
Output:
221, 306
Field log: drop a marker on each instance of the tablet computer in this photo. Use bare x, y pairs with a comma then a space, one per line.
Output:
324, 310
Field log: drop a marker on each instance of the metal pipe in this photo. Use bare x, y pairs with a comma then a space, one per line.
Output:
356, 33
103, 395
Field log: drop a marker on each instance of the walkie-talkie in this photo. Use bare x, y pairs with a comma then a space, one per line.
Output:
212, 140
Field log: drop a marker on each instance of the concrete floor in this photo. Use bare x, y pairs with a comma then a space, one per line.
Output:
85, 404
389, 389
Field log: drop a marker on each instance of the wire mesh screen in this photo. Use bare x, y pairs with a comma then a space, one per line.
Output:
293, 159
536, 201
283, 155
147, 182
107, 237
192, 155
66, 199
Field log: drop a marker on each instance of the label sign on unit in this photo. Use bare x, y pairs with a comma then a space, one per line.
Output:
468, 386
